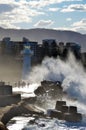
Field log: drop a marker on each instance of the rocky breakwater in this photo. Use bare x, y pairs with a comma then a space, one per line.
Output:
61, 111
30, 108
19, 109
64, 112
11, 105
7, 98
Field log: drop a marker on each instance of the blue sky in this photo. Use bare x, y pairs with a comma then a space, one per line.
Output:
52, 14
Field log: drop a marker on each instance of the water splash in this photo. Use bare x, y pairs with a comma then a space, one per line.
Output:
69, 72
72, 75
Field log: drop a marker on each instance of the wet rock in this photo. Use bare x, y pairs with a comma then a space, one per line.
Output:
32, 121
18, 110
30, 100
41, 125
50, 88
39, 91
2, 126
68, 113
51, 85
55, 114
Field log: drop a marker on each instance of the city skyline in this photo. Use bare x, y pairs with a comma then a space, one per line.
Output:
51, 14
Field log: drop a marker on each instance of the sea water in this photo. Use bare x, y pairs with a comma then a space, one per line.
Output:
73, 77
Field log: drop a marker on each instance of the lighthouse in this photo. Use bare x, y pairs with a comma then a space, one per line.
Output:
27, 54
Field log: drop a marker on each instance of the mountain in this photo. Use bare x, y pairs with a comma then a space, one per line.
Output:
40, 34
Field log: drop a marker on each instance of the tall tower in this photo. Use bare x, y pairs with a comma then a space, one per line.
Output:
27, 53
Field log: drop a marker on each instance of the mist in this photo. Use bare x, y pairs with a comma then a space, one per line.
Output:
70, 72
10, 69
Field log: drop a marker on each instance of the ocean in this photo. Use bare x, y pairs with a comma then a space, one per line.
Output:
73, 77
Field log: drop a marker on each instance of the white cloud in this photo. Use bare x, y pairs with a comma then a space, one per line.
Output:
68, 19
16, 12
6, 1
80, 26
53, 9
6, 24
44, 23
24, 11
43, 3
80, 23
65, 28
74, 7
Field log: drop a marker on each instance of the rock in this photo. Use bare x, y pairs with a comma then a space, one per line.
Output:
47, 85
18, 110
55, 114
12, 112
39, 91
2, 126
32, 121
30, 100
53, 89
41, 125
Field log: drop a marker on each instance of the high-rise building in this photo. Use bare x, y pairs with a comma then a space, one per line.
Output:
74, 48
49, 47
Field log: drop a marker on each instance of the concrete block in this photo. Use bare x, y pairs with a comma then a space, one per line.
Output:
59, 105
72, 109
75, 117
64, 109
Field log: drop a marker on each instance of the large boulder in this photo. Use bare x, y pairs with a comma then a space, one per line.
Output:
39, 91
18, 110
2, 126
51, 85
55, 114
30, 100
52, 89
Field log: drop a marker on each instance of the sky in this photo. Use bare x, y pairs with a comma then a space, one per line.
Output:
51, 14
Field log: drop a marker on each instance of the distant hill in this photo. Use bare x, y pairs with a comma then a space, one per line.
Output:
40, 34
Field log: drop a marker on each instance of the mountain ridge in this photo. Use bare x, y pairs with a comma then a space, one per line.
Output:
38, 34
